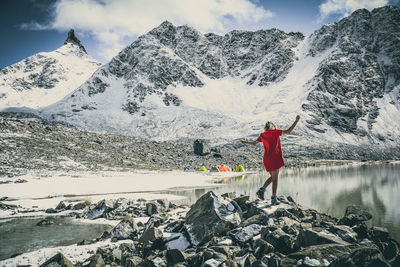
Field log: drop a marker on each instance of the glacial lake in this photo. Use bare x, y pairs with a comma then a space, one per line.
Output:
330, 189
22, 235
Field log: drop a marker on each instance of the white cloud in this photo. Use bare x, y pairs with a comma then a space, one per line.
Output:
346, 7
110, 22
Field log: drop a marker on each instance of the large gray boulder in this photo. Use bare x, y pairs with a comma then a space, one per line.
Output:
355, 215
211, 215
201, 147
125, 229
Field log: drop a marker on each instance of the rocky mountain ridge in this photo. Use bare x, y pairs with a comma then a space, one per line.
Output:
343, 80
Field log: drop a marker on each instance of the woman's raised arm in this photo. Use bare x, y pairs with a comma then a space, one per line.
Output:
288, 131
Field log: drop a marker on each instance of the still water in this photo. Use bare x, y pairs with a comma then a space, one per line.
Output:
23, 235
329, 189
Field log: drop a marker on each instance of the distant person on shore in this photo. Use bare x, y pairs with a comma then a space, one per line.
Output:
273, 159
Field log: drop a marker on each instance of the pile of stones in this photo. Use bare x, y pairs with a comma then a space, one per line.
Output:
230, 230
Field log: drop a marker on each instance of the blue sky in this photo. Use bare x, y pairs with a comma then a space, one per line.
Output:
107, 26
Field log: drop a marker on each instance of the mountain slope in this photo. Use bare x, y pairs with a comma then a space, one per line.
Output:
46, 77
175, 82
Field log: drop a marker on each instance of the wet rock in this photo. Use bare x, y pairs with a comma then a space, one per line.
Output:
355, 215
51, 210
127, 228
46, 221
201, 147
57, 260
61, 205
211, 215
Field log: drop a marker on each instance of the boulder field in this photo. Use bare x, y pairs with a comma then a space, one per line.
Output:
230, 230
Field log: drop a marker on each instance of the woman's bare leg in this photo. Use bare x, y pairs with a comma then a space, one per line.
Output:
274, 177
267, 182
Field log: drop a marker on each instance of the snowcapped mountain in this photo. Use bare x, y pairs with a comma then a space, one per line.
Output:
175, 82
46, 77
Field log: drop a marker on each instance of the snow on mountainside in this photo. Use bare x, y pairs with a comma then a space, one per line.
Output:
46, 77
175, 82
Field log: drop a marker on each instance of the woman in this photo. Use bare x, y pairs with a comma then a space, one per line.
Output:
273, 159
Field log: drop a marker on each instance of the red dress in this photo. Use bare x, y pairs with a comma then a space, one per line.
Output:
273, 158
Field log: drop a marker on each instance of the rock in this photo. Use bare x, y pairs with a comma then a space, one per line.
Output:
326, 252
57, 260
177, 241
261, 219
311, 262
211, 263
262, 248
281, 241
133, 261
61, 205
96, 261
174, 256
355, 215
309, 237
344, 232
71, 38
201, 147
246, 233
390, 249
210, 215
379, 234
127, 228
361, 257
156, 206
46, 221
149, 235
51, 210
100, 210
79, 206
246, 260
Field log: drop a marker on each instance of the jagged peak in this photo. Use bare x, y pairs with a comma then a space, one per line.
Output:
72, 39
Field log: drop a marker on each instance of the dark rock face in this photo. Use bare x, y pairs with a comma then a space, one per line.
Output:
73, 40
201, 147
362, 67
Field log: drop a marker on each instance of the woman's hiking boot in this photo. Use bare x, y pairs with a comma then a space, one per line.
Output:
260, 193
274, 201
